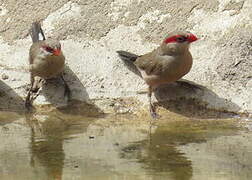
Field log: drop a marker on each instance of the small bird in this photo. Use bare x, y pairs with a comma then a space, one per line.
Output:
168, 63
46, 61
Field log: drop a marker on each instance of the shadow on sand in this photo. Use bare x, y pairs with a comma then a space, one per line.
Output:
9, 100
189, 99
79, 102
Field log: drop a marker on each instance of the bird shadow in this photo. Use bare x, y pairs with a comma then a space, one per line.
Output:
9, 100
78, 102
194, 101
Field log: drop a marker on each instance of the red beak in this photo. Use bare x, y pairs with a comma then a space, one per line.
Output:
57, 52
192, 38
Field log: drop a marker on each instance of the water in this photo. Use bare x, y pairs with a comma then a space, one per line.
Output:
72, 147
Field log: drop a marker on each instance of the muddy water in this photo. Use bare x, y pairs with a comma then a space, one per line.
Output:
72, 147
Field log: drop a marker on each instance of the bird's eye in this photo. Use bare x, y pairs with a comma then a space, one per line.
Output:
181, 39
49, 49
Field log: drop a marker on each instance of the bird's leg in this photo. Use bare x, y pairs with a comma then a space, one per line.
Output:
28, 97
67, 91
36, 85
152, 107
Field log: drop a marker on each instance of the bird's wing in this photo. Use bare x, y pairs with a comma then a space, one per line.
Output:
153, 63
34, 50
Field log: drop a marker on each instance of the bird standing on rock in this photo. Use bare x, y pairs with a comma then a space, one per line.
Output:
168, 63
46, 61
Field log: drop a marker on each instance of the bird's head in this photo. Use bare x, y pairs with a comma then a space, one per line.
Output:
177, 42
51, 47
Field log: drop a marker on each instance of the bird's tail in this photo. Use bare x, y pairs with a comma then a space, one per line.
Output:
129, 59
36, 32
126, 56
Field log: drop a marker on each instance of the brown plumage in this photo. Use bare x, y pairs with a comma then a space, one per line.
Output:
168, 63
45, 65
46, 61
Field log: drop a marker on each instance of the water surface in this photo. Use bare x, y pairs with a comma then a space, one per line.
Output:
63, 146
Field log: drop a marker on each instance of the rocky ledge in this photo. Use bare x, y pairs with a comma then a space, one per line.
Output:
92, 31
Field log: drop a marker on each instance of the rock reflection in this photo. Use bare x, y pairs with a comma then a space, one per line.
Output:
47, 147
66, 146
162, 155
48, 133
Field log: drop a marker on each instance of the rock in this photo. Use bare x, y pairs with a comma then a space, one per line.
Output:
91, 33
4, 76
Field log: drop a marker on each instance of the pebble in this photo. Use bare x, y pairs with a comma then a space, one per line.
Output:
4, 76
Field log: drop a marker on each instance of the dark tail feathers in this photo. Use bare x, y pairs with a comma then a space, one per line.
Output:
35, 31
128, 59
126, 56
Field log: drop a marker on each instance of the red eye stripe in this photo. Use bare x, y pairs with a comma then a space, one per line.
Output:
172, 39
181, 38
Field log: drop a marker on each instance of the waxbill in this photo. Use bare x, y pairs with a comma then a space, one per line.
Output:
46, 61
168, 63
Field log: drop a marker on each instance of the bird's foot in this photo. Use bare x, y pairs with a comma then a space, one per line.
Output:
31, 97
34, 92
153, 112
154, 115
39, 82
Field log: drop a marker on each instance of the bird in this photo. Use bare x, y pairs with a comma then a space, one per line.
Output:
165, 64
46, 61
